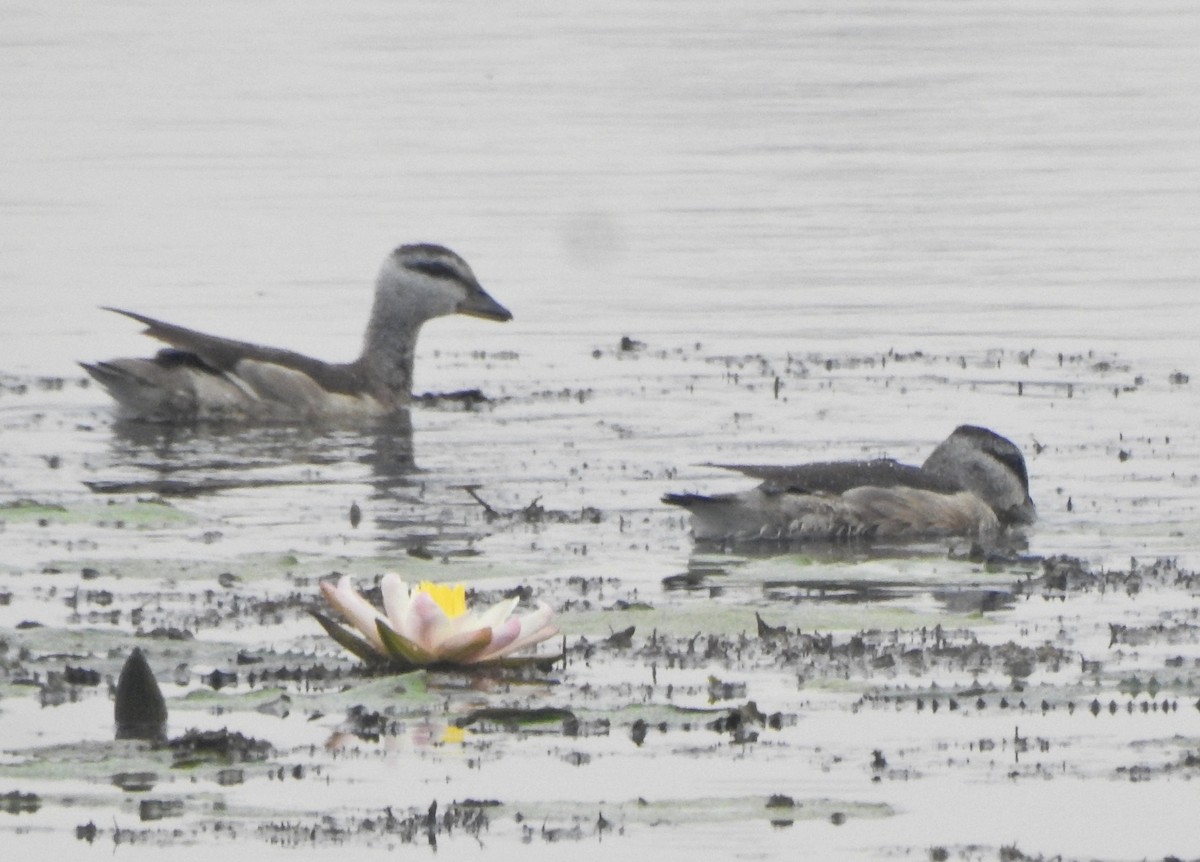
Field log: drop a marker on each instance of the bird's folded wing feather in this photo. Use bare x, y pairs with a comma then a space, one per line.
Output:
837, 477
224, 354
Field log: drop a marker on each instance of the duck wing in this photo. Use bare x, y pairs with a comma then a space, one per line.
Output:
837, 477
224, 354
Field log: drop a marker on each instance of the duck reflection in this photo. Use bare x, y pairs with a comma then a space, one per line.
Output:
826, 574
183, 461
290, 470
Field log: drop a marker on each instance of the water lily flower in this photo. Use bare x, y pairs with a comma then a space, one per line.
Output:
430, 624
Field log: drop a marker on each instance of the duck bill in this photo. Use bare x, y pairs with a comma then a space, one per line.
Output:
1026, 513
481, 305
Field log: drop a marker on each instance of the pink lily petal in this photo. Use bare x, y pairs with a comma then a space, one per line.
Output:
536, 637
396, 598
502, 635
355, 609
427, 622
542, 614
535, 628
497, 613
449, 626
463, 647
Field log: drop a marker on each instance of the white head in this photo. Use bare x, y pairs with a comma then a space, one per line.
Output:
423, 281
989, 466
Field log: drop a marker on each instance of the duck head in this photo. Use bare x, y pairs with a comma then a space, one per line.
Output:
989, 466
424, 281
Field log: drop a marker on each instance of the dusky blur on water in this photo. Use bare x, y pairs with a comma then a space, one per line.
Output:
808, 172
747, 189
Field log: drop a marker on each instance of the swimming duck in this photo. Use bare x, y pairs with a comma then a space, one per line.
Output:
208, 378
974, 484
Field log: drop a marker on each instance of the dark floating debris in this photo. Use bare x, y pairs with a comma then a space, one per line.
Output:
170, 633
355, 515
768, 631
140, 710
187, 487
577, 758
219, 747
370, 725
966, 600
1063, 575
721, 690
1187, 766
219, 679
740, 721
157, 809
514, 717
135, 782
81, 676
468, 817
16, 802
622, 639
534, 512
689, 581
467, 399
231, 777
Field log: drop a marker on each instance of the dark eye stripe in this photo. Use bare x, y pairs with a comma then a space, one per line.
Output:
998, 448
435, 269
1013, 461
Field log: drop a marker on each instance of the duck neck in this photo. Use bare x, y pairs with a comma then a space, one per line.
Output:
387, 357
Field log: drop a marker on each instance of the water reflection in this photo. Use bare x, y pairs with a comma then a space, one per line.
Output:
838, 591
822, 578
186, 461
969, 600
998, 548
294, 471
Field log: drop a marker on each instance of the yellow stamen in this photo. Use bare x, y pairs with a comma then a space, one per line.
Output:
450, 598
454, 735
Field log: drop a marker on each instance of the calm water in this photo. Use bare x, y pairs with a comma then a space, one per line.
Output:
749, 190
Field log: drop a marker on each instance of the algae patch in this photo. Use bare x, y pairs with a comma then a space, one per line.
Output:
138, 515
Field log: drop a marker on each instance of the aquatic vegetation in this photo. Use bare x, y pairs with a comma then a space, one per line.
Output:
430, 624
140, 711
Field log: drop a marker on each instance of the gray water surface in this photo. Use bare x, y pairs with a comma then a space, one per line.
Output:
909, 215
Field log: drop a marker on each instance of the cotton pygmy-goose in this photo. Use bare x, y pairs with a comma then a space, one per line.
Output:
974, 484
202, 377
